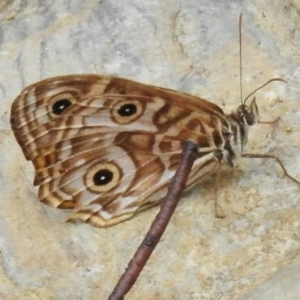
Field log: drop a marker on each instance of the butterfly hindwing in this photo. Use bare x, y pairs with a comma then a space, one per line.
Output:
107, 146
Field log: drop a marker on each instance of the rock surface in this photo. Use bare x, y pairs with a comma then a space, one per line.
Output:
191, 46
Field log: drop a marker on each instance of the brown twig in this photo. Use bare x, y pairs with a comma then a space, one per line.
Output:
159, 224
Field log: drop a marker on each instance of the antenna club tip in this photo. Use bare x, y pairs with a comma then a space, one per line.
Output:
279, 79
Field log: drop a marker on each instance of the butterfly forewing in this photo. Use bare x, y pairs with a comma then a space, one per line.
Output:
107, 146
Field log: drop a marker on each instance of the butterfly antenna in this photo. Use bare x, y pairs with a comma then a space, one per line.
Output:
241, 68
273, 79
241, 65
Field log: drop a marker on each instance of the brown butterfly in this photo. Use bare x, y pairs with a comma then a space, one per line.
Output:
108, 147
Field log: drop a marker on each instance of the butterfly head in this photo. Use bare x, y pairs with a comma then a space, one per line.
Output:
248, 115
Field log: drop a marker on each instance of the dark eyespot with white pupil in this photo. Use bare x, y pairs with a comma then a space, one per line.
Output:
102, 177
61, 105
127, 110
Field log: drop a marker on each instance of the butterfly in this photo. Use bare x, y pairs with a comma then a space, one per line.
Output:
107, 147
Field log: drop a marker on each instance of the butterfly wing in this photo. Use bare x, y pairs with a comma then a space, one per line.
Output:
107, 146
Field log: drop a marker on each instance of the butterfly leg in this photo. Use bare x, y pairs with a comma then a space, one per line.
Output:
273, 122
255, 155
219, 212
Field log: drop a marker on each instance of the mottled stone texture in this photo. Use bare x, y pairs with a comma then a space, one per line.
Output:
186, 45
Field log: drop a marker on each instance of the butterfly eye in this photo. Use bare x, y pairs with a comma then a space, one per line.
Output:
125, 112
59, 106
103, 177
60, 103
